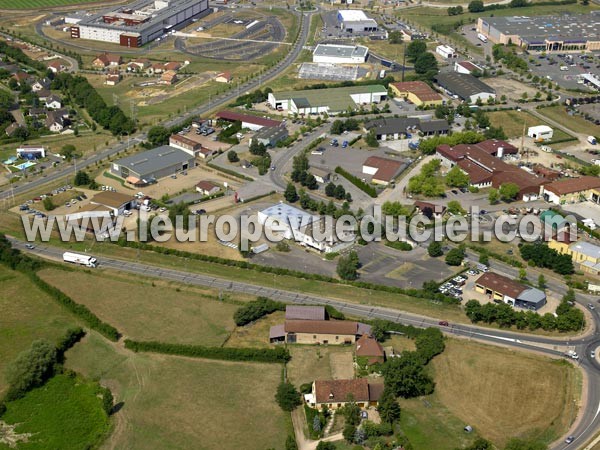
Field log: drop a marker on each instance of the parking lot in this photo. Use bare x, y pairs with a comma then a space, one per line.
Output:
549, 67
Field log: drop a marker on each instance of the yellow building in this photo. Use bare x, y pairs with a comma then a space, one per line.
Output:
584, 254
417, 92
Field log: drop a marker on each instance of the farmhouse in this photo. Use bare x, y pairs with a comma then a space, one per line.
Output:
149, 166
500, 288
116, 201
572, 190
330, 101
355, 21
206, 187
336, 393
417, 92
368, 347
248, 121
340, 54
139, 22
464, 86
270, 136
383, 170
333, 332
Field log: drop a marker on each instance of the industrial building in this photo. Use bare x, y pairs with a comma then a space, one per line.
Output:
330, 101
467, 67
572, 190
147, 167
500, 288
270, 136
355, 21
584, 254
417, 92
398, 127
248, 121
383, 170
340, 54
138, 23
445, 51
464, 86
540, 133
556, 33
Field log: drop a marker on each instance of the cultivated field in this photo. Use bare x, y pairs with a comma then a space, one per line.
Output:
26, 314
173, 402
39, 4
149, 310
502, 394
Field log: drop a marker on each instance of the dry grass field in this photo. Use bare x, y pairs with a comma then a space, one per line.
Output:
503, 394
576, 123
26, 314
310, 362
255, 334
512, 123
143, 311
173, 402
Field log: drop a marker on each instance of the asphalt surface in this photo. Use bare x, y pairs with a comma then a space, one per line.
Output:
216, 102
589, 420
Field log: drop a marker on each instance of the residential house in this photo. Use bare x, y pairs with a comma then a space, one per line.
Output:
335, 394
41, 84
429, 210
206, 187
173, 65
382, 170
223, 77
368, 348
322, 176
37, 112
55, 121
56, 66
169, 77
156, 68
22, 77
53, 102
138, 65
107, 60
43, 95
113, 79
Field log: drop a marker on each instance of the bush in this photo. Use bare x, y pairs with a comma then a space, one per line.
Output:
265, 355
256, 309
107, 401
31, 369
455, 257
541, 255
287, 397
399, 245
365, 187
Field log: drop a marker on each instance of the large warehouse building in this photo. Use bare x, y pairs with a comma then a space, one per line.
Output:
138, 23
569, 32
356, 21
331, 101
340, 54
148, 167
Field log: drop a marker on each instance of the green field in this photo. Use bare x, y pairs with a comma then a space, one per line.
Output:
173, 402
512, 122
143, 310
66, 413
38, 4
26, 314
576, 123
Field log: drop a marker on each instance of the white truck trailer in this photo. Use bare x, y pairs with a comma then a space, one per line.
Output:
76, 258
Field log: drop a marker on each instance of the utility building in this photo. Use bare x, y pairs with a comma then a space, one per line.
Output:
355, 21
340, 54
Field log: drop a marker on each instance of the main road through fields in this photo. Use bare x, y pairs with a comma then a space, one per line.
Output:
589, 419
215, 102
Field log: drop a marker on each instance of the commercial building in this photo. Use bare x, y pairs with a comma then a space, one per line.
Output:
149, 166
572, 190
445, 51
115, 201
540, 133
483, 164
138, 23
590, 79
584, 254
186, 144
556, 33
355, 21
270, 136
467, 67
206, 187
331, 101
503, 289
340, 54
31, 151
247, 120
398, 127
382, 170
417, 92
464, 86
336, 393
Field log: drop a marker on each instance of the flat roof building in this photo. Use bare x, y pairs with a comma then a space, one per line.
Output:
501, 288
270, 136
417, 92
340, 54
137, 23
465, 86
149, 166
355, 21
556, 33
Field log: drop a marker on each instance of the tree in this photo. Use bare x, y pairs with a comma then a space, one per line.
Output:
508, 191
455, 10
415, 48
232, 156
455, 207
455, 257
522, 274
434, 249
347, 267
290, 443
158, 135
107, 401
406, 376
493, 196
426, 65
290, 193
480, 444
31, 369
330, 189
311, 182
395, 209
371, 138
457, 178
476, 6
257, 148
287, 397
81, 178
68, 151
316, 425
484, 259
49, 204
389, 409
339, 192
323, 445
541, 281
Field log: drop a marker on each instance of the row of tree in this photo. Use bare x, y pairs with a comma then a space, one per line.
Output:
540, 255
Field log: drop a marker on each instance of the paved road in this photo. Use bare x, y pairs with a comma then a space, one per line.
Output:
216, 102
588, 422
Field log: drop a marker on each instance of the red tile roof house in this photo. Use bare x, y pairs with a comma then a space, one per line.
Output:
336, 393
223, 77
56, 66
383, 170
367, 347
107, 59
206, 187
333, 332
429, 209
173, 65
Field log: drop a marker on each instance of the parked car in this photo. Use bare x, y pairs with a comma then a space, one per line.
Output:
443, 323
30, 246
592, 307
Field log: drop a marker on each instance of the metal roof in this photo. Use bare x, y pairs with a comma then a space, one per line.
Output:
151, 161
462, 84
342, 51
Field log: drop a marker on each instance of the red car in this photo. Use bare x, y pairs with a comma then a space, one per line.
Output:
443, 323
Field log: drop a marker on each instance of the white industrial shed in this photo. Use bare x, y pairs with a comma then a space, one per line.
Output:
540, 132
340, 54
355, 21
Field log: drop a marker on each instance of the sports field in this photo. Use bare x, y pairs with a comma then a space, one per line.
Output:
39, 4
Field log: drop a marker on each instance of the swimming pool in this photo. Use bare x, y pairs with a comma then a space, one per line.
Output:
24, 165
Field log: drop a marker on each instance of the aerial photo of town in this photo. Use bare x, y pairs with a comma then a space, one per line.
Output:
300, 224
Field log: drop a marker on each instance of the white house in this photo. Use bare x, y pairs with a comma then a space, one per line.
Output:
53, 102
31, 151
446, 51
540, 132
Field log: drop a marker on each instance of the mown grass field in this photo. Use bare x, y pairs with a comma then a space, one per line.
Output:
500, 392
26, 314
66, 413
145, 310
576, 123
173, 402
39, 4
